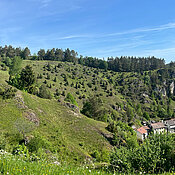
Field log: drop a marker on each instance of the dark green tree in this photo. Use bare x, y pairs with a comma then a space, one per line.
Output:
25, 53
27, 77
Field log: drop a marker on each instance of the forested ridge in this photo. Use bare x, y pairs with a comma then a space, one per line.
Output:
118, 64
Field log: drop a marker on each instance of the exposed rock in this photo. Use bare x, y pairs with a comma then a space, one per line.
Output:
31, 116
172, 88
75, 114
72, 107
145, 95
163, 91
20, 101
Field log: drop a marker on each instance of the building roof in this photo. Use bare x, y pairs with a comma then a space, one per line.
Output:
170, 122
143, 129
158, 125
146, 127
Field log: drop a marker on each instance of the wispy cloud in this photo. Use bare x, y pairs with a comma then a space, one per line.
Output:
72, 37
45, 3
120, 48
140, 30
161, 52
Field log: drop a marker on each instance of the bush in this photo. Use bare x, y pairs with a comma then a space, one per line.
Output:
93, 108
71, 99
38, 142
44, 92
155, 155
8, 92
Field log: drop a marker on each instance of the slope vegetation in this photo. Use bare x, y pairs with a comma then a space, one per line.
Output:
73, 136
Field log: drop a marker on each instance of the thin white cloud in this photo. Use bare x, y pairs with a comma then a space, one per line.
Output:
45, 3
139, 30
163, 52
72, 37
121, 47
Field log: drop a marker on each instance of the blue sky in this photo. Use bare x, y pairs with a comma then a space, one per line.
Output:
100, 28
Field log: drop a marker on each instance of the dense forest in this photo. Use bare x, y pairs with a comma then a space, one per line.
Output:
122, 64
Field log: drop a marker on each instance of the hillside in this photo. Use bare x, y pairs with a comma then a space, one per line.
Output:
72, 135
56, 129
146, 92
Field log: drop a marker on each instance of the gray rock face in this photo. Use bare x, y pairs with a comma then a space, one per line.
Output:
164, 92
172, 88
31, 116
72, 107
161, 90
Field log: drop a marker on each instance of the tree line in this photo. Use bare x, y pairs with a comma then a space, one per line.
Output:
117, 64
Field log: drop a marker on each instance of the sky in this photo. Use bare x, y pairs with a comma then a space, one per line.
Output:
98, 28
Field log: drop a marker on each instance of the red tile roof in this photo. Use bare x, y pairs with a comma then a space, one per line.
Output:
146, 127
143, 129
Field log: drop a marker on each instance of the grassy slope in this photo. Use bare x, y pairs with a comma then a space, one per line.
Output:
72, 135
81, 75
115, 89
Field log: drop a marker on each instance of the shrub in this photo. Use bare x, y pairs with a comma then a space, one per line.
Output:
38, 142
44, 92
155, 155
8, 92
71, 99
93, 108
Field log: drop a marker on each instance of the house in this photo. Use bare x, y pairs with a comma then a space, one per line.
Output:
170, 125
158, 127
143, 132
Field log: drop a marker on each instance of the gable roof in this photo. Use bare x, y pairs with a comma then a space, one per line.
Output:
170, 122
158, 125
143, 129
146, 127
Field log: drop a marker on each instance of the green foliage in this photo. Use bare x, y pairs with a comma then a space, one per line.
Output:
23, 80
155, 155
119, 160
25, 53
102, 156
71, 99
3, 141
93, 108
18, 165
15, 66
44, 92
38, 142
124, 135
27, 77
21, 150
7, 92
24, 127
130, 113
146, 116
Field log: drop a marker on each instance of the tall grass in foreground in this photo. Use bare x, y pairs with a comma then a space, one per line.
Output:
15, 165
